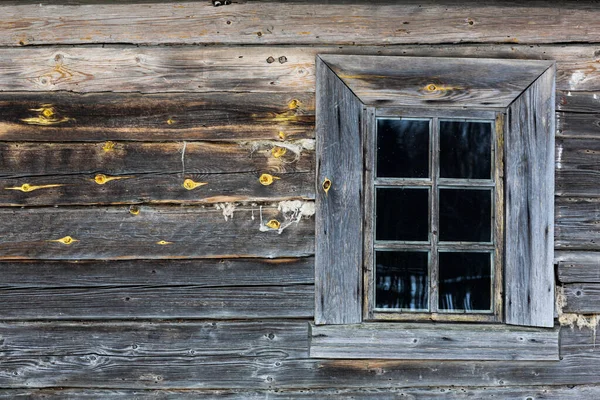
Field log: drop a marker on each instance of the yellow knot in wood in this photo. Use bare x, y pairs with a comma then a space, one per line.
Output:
48, 112
190, 184
431, 87
281, 135
108, 146
163, 242
26, 187
267, 179
326, 185
294, 104
273, 224
170, 121
101, 179
134, 210
278, 151
47, 116
65, 240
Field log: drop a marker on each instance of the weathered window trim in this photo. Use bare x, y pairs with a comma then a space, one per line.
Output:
351, 90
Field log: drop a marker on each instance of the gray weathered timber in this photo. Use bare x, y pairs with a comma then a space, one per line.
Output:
579, 271
155, 117
578, 166
86, 69
153, 232
429, 341
529, 172
583, 298
199, 273
145, 172
578, 125
271, 370
157, 302
339, 186
577, 223
297, 22
450, 82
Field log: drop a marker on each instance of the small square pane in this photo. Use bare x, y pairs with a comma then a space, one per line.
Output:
402, 214
402, 280
402, 148
465, 215
465, 149
465, 281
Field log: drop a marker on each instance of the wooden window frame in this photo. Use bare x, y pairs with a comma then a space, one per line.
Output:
519, 96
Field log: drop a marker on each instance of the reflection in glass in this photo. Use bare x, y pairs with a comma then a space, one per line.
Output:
465, 215
402, 214
402, 148
465, 149
402, 280
465, 281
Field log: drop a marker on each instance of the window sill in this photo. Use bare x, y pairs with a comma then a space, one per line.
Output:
431, 341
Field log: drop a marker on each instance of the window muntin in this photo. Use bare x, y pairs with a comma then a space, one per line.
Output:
462, 279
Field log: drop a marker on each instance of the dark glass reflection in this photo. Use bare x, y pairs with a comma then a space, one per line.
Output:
402, 148
401, 280
402, 214
465, 149
465, 281
465, 215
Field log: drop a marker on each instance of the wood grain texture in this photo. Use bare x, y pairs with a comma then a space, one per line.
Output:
577, 224
155, 117
583, 298
529, 223
339, 186
199, 273
579, 271
577, 167
447, 82
146, 172
268, 369
154, 233
86, 69
578, 125
428, 341
298, 22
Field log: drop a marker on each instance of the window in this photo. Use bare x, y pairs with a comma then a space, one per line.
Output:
434, 203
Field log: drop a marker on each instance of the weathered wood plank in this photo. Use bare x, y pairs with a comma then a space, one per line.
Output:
576, 223
583, 298
157, 302
158, 117
199, 273
578, 125
577, 167
529, 194
433, 342
138, 172
579, 271
339, 239
571, 392
297, 22
256, 68
272, 370
157, 232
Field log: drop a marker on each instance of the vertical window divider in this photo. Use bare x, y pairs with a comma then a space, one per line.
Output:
434, 258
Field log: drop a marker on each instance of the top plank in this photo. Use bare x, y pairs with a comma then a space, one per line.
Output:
298, 22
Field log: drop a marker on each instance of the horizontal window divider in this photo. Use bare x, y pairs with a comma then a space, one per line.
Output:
460, 183
434, 341
489, 114
407, 316
385, 245
465, 246
405, 182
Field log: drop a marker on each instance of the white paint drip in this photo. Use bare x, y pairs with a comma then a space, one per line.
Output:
294, 146
576, 79
183, 158
228, 209
293, 211
559, 157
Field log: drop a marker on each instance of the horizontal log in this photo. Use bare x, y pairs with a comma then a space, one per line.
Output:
271, 369
199, 273
145, 172
155, 117
297, 22
579, 271
157, 232
428, 341
157, 302
576, 223
577, 167
250, 68
571, 392
578, 125
583, 298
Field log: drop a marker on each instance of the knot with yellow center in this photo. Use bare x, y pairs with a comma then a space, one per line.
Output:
190, 184
267, 179
278, 151
273, 224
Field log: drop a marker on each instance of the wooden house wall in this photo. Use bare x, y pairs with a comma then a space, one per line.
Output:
170, 291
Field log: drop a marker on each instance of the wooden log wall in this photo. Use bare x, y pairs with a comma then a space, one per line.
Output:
157, 184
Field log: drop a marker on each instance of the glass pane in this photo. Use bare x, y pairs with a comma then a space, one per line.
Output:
402, 280
465, 149
402, 214
465, 215
465, 281
402, 148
